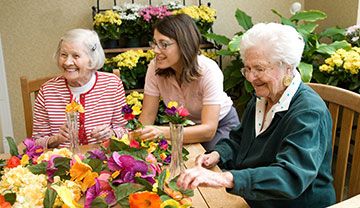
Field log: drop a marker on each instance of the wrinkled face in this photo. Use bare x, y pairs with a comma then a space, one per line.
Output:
74, 63
266, 77
167, 52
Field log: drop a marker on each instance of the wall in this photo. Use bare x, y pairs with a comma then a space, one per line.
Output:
342, 13
31, 29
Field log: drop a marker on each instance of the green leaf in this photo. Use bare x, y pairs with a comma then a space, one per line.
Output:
144, 182
50, 197
234, 44
63, 166
117, 145
309, 16
306, 71
10, 197
12, 146
38, 169
99, 203
243, 19
161, 180
221, 39
333, 32
331, 48
224, 52
96, 165
248, 86
309, 27
124, 190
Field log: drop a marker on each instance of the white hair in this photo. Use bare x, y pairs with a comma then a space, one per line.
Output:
282, 42
91, 43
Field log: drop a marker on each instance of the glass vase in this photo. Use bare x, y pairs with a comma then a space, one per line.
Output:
71, 118
176, 136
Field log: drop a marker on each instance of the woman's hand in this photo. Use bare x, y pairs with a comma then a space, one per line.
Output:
149, 132
61, 137
208, 160
199, 176
102, 133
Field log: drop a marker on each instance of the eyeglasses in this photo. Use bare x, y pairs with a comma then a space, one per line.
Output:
161, 45
257, 71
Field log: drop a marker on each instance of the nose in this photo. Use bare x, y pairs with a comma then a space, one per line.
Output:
69, 60
251, 76
156, 49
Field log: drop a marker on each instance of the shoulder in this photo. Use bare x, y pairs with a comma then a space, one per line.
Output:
209, 66
106, 78
54, 83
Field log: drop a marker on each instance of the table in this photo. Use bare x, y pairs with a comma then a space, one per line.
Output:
211, 197
204, 197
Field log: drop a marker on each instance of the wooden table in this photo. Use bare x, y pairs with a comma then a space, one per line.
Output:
204, 197
211, 197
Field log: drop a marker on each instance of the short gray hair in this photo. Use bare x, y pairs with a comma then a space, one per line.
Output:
282, 42
89, 39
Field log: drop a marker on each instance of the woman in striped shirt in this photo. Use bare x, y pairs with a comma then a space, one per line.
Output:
79, 55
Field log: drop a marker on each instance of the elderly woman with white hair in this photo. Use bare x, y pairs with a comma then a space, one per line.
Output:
79, 55
280, 155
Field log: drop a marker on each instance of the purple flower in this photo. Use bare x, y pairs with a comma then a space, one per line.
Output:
97, 154
50, 168
151, 13
163, 144
129, 168
168, 159
170, 111
95, 191
32, 150
126, 109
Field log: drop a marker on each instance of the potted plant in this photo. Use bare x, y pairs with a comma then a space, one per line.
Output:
132, 65
107, 25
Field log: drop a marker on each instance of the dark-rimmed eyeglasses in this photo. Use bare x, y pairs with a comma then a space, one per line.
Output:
162, 45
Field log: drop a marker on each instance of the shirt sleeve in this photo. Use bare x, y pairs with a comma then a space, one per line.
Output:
297, 162
118, 122
151, 87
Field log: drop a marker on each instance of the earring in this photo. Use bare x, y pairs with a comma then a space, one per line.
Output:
287, 80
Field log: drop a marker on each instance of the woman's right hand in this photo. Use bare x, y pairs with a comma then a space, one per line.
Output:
149, 132
59, 138
208, 160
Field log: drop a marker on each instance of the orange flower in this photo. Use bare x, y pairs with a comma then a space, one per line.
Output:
144, 199
82, 173
3, 203
13, 162
74, 107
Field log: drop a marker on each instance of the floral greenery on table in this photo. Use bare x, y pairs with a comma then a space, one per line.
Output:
132, 65
117, 173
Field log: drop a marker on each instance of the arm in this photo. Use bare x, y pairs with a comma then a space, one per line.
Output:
149, 109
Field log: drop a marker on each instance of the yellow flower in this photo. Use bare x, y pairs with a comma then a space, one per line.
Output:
66, 196
64, 152
24, 160
152, 147
172, 104
155, 186
136, 110
74, 107
82, 173
170, 203
109, 16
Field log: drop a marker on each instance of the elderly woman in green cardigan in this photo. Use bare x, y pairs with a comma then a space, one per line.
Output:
280, 155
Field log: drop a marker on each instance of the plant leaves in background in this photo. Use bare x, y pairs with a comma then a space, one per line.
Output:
243, 19
309, 16
12, 146
306, 71
39, 168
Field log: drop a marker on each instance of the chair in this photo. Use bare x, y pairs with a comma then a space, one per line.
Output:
29, 90
344, 107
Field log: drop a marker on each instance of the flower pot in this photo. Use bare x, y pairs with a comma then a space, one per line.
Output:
176, 136
122, 42
133, 42
110, 44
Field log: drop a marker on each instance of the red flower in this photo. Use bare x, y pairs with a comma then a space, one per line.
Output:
13, 162
129, 116
144, 200
183, 111
3, 203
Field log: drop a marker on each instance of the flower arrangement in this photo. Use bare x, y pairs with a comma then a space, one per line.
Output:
129, 14
132, 65
119, 174
149, 16
107, 25
342, 69
177, 114
203, 16
352, 35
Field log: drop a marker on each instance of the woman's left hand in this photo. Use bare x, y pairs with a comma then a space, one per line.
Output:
102, 132
149, 132
199, 176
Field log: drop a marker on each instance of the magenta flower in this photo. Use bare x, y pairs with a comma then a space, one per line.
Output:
130, 168
97, 154
152, 13
171, 111
31, 149
163, 144
50, 168
98, 190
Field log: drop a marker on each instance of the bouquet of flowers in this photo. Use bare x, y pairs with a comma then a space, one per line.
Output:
132, 65
203, 16
342, 69
107, 25
177, 114
150, 15
129, 14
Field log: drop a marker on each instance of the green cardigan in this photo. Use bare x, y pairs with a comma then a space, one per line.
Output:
289, 164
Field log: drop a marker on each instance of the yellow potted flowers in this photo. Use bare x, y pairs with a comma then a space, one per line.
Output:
107, 25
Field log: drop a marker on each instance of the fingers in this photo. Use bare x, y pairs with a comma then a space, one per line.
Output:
102, 132
149, 133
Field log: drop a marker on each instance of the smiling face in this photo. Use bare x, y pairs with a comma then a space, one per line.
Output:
169, 56
265, 76
75, 64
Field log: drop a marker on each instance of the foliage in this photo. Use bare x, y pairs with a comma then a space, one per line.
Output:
315, 50
132, 65
106, 176
107, 25
177, 114
342, 69
130, 16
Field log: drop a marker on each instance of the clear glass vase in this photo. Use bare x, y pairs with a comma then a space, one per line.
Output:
71, 118
176, 136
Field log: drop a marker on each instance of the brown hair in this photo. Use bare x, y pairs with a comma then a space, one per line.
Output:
183, 30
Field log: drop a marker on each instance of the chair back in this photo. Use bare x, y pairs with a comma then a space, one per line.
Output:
344, 107
29, 90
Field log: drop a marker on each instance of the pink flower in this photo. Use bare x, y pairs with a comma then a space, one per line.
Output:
183, 111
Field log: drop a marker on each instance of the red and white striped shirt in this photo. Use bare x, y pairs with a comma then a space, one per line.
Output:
102, 104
